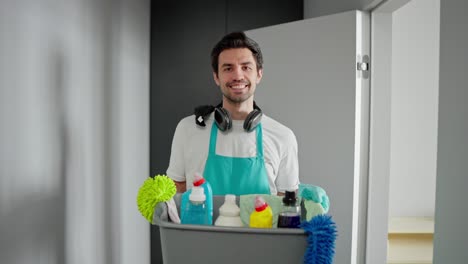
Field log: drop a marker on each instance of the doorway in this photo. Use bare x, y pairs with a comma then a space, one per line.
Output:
403, 143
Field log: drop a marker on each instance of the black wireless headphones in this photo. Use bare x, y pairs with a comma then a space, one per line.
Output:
223, 119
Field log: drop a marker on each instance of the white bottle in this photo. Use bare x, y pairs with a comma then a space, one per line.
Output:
229, 213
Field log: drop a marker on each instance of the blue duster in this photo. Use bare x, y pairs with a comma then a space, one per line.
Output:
321, 240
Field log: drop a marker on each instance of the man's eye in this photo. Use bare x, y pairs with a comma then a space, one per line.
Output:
227, 69
247, 68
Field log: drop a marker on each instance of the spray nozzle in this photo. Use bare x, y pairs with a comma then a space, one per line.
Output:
289, 198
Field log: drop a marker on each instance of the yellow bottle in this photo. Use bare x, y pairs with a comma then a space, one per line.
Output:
262, 216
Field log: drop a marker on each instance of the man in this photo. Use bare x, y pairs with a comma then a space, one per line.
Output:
238, 149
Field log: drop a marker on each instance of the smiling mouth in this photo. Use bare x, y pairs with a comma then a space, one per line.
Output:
238, 86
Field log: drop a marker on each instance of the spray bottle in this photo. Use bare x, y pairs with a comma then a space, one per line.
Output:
290, 215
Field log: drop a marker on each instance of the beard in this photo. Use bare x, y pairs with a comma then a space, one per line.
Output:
236, 99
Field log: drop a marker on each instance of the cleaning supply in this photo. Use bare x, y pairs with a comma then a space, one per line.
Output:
262, 216
172, 211
290, 215
229, 213
247, 205
311, 203
199, 181
167, 211
316, 194
159, 188
196, 211
321, 239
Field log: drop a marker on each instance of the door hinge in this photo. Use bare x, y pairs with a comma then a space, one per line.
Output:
363, 66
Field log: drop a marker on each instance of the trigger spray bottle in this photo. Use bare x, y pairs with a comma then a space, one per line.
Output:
290, 215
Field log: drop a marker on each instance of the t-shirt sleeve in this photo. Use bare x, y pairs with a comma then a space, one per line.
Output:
288, 173
176, 169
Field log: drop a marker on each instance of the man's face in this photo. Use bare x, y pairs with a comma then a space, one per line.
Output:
237, 74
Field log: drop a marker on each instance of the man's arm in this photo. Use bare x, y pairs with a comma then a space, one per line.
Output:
176, 168
180, 186
288, 170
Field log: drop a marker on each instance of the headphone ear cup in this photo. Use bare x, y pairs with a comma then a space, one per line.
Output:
201, 113
222, 119
252, 120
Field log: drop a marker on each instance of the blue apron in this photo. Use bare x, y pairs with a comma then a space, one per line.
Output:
234, 175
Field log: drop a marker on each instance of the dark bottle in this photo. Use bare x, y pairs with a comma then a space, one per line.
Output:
290, 215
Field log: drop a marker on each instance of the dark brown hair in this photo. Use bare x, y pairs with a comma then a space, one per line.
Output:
236, 40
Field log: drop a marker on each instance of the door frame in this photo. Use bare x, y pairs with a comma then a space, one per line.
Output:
379, 129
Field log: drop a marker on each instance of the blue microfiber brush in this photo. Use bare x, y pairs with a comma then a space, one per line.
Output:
321, 241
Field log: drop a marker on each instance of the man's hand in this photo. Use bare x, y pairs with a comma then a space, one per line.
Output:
180, 186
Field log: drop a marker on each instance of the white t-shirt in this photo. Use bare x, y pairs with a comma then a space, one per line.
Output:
190, 147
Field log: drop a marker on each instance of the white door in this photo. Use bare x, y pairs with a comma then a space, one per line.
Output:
311, 84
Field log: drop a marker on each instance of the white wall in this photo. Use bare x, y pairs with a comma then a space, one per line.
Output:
414, 106
74, 130
451, 233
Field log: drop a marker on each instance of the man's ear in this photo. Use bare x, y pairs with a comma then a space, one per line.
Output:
259, 75
215, 77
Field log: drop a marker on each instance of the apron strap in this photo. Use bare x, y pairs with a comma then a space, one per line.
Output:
214, 135
259, 141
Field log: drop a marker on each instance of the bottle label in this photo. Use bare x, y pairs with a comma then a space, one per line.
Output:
289, 220
196, 214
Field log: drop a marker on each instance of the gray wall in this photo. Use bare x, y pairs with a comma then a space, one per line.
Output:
414, 106
315, 8
451, 235
74, 83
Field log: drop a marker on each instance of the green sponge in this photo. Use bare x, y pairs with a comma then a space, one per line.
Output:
312, 209
160, 188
